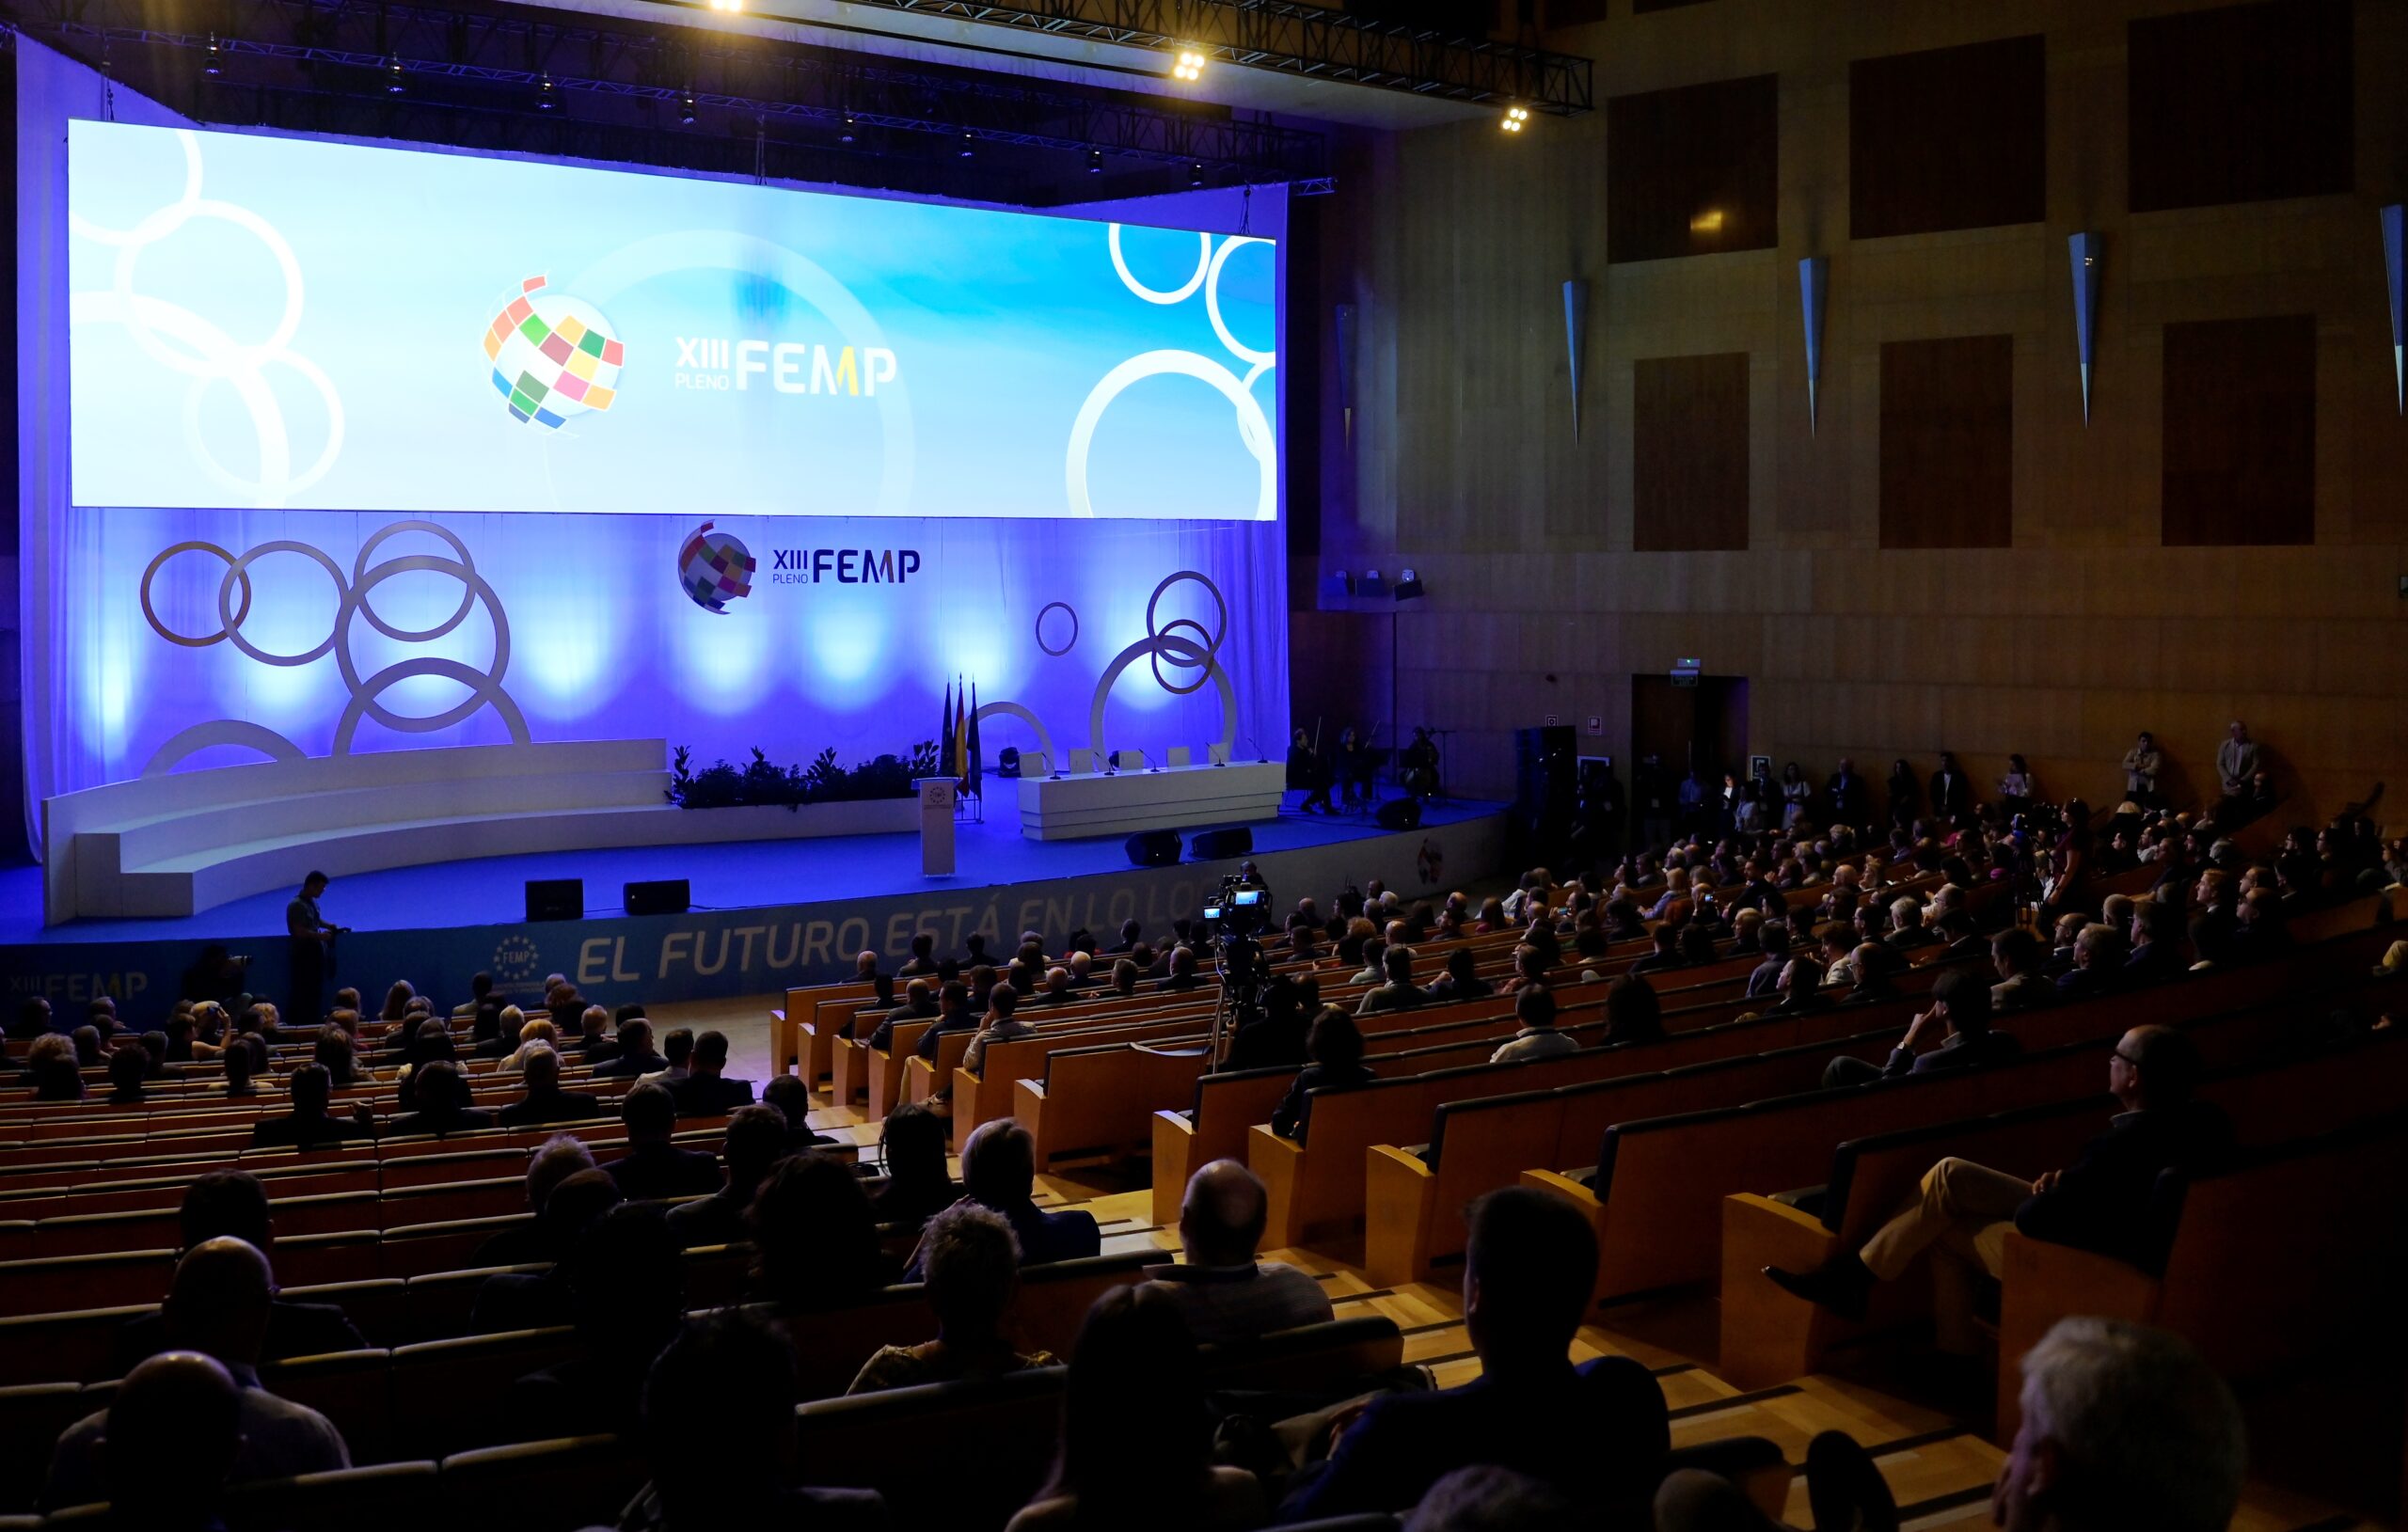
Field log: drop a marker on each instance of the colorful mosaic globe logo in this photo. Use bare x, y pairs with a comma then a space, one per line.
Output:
553, 357
715, 569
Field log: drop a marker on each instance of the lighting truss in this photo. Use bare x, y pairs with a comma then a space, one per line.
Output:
330, 63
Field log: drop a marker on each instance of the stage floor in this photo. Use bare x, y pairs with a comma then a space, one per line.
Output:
489, 890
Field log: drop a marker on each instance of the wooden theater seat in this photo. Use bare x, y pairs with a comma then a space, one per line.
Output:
449, 1396
883, 1442
551, 1485
376, 1497
2282, 1263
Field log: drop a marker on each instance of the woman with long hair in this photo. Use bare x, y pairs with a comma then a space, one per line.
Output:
1136, 1432
1796, 792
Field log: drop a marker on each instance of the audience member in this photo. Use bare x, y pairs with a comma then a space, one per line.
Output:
544, 1102
233, 1203
626, 1296
1959, 1014
1598, 1433
719, 1432
814, 1236
308, 1124
999, 1171
911, 1150
973, 1272
755, 1141
218, 1307
705, 1091
1003, 1025
1534, 1009
536, 1241
2123, 1427
792, 1099
655, 1168
2102, 1202
1223, 1292
1136, 1439
1336, 1048
634, 1057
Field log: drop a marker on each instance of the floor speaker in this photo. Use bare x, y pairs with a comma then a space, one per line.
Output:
1154, 848
555, 899
1221, 845
1400, 814
663, 896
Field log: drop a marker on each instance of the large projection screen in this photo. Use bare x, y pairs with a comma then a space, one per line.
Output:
802, 462
286, 323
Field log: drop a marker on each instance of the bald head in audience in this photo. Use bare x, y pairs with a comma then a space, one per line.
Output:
173, 1432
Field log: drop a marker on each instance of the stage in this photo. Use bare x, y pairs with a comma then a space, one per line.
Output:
766, 915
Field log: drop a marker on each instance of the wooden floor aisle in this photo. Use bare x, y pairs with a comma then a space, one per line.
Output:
1939, 1469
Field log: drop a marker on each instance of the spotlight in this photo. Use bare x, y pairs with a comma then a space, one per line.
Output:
1095, 162
1195, 173
727, 5
1408, 587
686, 108
394, 84
844, 134
213, 60
547, 96
969, 145
1189, 66
1515, 118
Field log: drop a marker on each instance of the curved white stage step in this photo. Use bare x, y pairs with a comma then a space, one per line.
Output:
171, 845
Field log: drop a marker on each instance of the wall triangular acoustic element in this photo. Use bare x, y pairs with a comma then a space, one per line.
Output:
2395, 273
1345, 326
1575, 311
1814, 287
2089, 256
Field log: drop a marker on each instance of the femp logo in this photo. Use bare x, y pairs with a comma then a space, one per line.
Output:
843, 567
716, 364
714, 568
515, 959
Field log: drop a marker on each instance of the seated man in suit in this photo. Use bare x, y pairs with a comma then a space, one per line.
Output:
1225, 1292
953, 1015
2098, 963
219, 1308
232, 1205
533, 1300
626, 1281
919, 1005
1764, 979
705, 1091
2015, 956
653, 1167
2099, 1203
1182, 977
2157, 944
635, 1057
1960, 1012
755, 1141
308, 1125
544, 1102
1597, 1432
999, 1170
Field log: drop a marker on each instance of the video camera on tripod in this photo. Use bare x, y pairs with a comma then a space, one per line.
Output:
1236, 915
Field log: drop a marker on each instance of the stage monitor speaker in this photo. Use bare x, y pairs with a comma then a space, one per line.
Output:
1220, 845
1154, 848
1400, 814
555, 899
664, 897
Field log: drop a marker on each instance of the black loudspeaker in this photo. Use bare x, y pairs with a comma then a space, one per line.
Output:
1400, 814
1545, 776
666, 896
1220, 845
1154, 848
555, 899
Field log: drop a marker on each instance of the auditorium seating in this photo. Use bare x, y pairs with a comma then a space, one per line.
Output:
1767, 1335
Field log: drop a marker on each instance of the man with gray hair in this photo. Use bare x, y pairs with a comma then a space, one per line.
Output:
2123, 1427
1907, 931
1225, 1292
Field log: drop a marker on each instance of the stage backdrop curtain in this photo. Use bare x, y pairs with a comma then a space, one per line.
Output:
575, 627
52, 89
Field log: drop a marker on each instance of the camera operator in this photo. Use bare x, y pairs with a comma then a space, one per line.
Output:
312, 943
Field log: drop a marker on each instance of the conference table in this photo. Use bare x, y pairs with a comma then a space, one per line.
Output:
1173, 797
